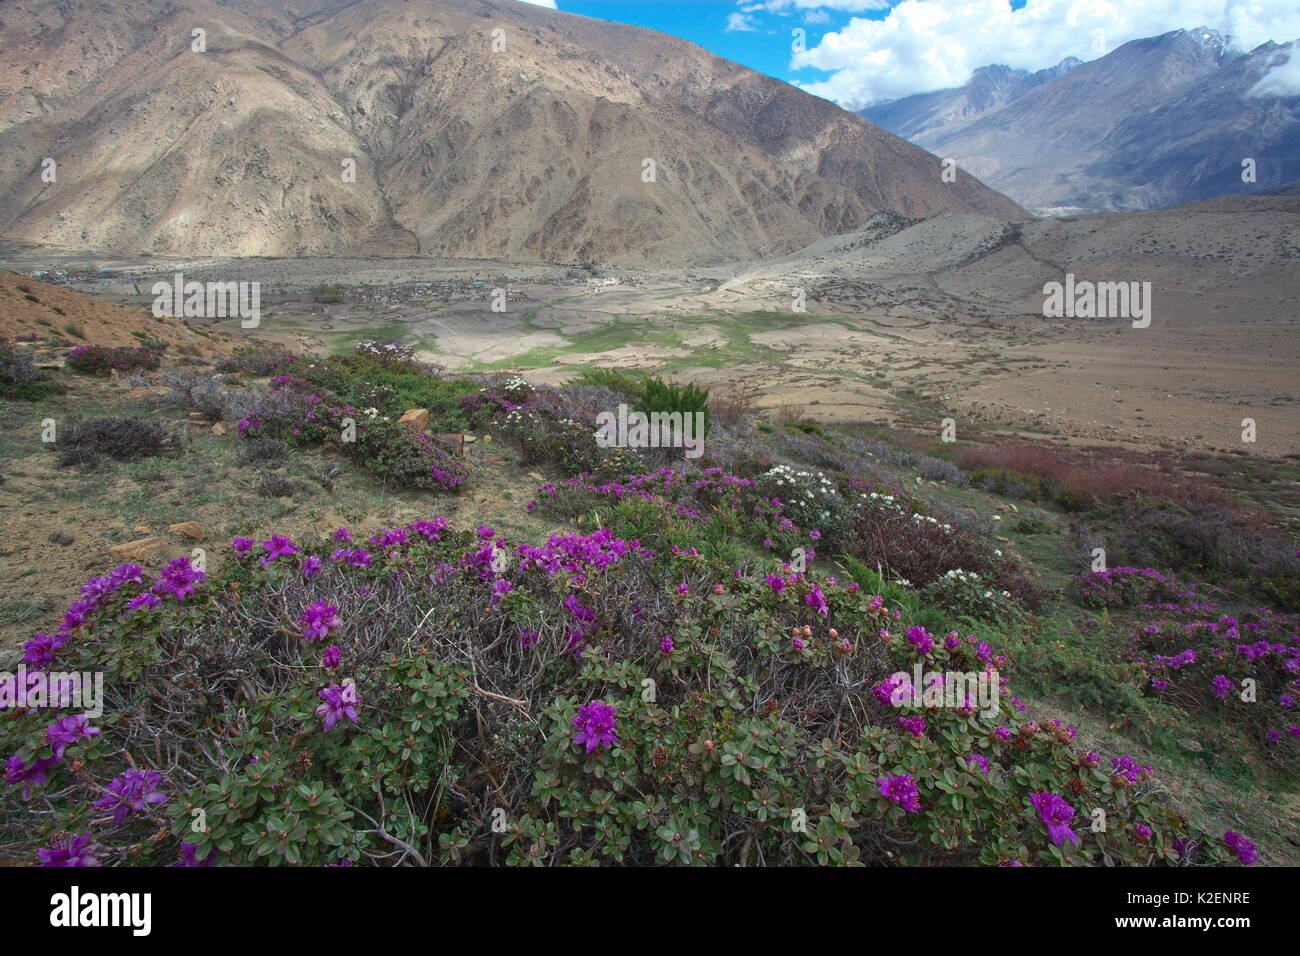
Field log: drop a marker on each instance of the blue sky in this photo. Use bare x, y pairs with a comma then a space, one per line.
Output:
758, 40
862, 51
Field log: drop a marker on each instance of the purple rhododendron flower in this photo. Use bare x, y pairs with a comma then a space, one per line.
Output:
70, 851
310, 566
41, 648
901, 789
666, 645
179, 579
979, 760
919, 639
356, 557
341, 700
884, 692
1057, 814
1129, 769
189, 856
595, 725
146, 600
1241, 848
331, 658
67, 731
913, 725
18, 772
131, 790
318, 619
126, 574
278, 547
241, 546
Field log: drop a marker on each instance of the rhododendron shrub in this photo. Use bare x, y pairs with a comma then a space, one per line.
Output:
964, 593
396, 454
1126, 587
1244, 669
105, 359
424, 696
544, 436
774, 512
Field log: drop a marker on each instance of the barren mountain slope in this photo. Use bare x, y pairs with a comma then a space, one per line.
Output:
31, 310
536, 151
1239, 241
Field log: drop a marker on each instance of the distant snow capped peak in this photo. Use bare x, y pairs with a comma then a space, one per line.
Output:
1158, 121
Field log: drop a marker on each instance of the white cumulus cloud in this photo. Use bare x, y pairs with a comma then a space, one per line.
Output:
924, 45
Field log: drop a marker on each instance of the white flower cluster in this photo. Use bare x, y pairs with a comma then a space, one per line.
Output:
918, 518
513, 383
970, 577
877, 500
806, 491
890, 503
517, 417
785, 475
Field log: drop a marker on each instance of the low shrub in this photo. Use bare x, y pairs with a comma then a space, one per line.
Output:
1243, 670
1207, 541
1042, 473
901, 461
265, 451
386, 378
890, 530
103, 359
1126, 587
89, 442
963, 594
1031, 525
401, 457
808, 499
152, 343
256, 360
274, 485
20, 379
544, 438
436, 698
